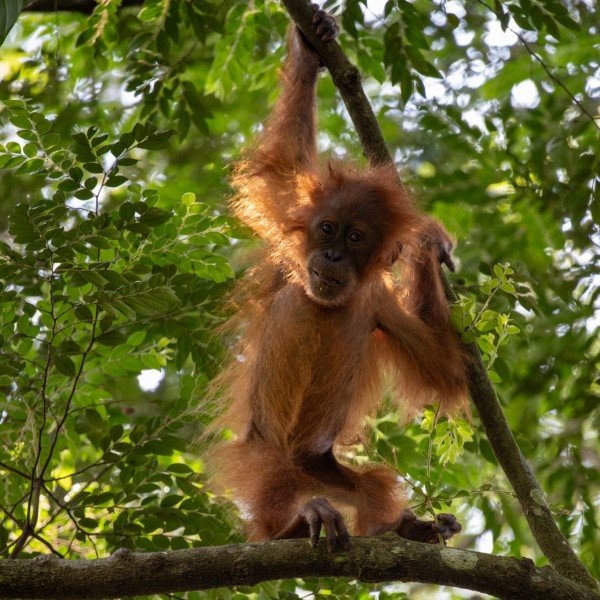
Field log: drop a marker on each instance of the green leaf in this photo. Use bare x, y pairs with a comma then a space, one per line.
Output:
188, 199
20, 121
122, 307
99, 242
94, 418
50, 140
68, 185
180, 469
566, 21
65, 365
127, 211
499, 271
28, 135
9, 13
30, 166
156, 141
111, 338
552, 27
69, 347
184, 347
114, 277
116, 180
93, 167
170, 501
486, 343
83, 313
468, 337
494, 377
158, 447
92, 277
453, 20
30, 150
416, 38
155, 216
420, 64
84, 194
137, 338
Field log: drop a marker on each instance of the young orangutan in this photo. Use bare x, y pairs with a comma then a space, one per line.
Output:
325, 321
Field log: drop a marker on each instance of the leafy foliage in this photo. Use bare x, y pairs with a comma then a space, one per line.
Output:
116, 253
92, 296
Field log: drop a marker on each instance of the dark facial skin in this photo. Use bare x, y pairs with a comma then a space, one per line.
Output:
342, 242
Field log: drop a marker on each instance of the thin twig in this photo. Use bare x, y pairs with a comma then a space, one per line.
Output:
554, 78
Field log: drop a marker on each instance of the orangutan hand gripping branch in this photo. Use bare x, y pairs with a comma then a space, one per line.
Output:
325, 321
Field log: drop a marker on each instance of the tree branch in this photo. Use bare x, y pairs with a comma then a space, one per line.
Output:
388, 558
538, 59
347, 79
545, 531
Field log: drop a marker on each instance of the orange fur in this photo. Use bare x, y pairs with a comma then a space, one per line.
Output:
310, 364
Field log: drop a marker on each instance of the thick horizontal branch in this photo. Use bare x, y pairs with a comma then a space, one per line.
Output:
384, 559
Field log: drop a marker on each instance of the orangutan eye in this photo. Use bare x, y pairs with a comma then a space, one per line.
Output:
355, 236
327, 227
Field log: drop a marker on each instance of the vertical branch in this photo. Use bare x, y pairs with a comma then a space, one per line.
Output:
543, 527
37, 473
347, 79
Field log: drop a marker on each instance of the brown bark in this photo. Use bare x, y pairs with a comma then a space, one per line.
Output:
384, 559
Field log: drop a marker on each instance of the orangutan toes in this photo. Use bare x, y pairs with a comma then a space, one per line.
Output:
429, 532
314, 515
